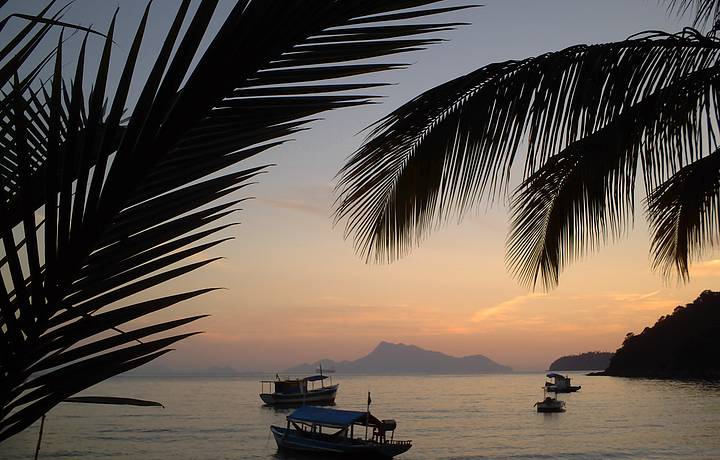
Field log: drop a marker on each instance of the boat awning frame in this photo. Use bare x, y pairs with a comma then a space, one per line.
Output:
314, 378
333, 418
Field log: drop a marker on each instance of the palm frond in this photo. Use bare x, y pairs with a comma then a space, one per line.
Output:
703, 11
112, 400
683, 214
449, 148
127, 204
568, 208
585, 194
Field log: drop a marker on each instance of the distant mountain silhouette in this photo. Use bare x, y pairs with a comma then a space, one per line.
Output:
590, 361
684, 344
398, 358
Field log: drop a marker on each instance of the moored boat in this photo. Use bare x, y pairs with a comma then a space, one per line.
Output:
339, 432
299, 391
560, 384
550, 404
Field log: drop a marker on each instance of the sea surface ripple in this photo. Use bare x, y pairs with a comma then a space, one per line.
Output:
447, 417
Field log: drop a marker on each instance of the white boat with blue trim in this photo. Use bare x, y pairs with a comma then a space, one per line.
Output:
560, 384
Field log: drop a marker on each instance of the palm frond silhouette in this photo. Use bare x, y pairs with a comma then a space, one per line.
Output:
96, 208
592, 116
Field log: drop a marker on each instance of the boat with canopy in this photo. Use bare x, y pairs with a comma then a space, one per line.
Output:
560, 384
343, 433
298, 391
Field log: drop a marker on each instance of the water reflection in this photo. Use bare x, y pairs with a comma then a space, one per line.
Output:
288, 455
287, 408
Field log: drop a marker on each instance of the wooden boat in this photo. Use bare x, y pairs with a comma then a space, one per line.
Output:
560, 384
339, 433
298, 391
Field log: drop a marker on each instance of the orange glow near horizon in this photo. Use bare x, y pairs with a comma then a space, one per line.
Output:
285, 307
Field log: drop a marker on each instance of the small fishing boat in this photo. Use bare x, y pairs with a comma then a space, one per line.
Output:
298, 391
560, 384
339, 433
550, 404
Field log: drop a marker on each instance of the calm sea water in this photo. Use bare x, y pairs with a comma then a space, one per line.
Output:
447, 417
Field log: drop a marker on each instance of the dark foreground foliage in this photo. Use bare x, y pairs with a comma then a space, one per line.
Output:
596, 120
683, 344
100, 202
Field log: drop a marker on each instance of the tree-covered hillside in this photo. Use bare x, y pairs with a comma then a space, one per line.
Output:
684, 344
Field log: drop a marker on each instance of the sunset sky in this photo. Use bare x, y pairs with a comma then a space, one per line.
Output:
296, 292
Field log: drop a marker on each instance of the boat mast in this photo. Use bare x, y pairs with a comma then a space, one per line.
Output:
367, 415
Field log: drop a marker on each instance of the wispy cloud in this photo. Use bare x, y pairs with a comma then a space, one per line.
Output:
349, 320
572, 314
504, 308
706, 269
295, 205
309, 199
632, 296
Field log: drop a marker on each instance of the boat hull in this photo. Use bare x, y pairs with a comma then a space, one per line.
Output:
552, 405
557, 389
288, 439
547, 410
320, 396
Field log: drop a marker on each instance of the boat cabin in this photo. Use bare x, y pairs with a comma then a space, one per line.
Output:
295, 386
344, 424
308, 390
560, 384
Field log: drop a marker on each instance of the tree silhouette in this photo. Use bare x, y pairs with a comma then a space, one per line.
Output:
592, 115
96, 208
683, 344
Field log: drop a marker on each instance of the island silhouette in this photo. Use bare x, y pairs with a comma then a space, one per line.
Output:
589, 361
399, 358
